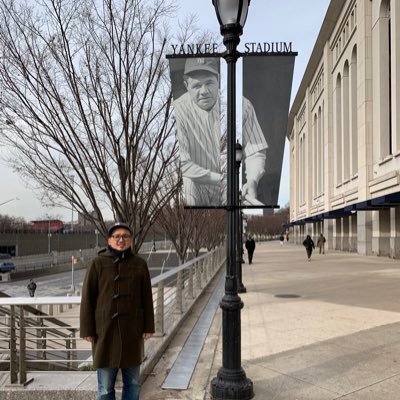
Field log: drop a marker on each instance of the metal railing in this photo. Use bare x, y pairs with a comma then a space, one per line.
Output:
34, 340
41, 261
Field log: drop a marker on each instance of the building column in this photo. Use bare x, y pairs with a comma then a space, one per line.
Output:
302, 233
353, 233
308, 230
315, 234
328, 233
345, 234
297, 234
337, 238
395, 232
364, 233
381, 232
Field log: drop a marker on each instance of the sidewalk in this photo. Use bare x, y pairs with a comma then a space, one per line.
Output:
326, 329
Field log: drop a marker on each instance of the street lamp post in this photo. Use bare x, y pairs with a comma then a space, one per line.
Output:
96, 232
72, 202
231, 381
73, 262
239, 227
48, 236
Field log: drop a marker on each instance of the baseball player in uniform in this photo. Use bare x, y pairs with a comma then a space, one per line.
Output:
198, 129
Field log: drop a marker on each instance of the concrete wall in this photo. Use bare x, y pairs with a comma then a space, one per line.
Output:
38, 243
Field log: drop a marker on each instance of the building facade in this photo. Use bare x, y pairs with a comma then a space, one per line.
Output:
344, 132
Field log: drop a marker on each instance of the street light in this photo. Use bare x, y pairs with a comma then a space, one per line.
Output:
231, 381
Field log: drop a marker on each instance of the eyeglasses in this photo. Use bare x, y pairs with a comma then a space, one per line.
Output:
119, 237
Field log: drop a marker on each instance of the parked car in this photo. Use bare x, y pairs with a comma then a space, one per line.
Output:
7, 266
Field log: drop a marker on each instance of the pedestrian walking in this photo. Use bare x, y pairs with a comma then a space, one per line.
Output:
117, 314
250, 247
309, 245
281, 239
321, 243
31, 288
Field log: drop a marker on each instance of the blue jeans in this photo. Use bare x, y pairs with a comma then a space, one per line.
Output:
106, 383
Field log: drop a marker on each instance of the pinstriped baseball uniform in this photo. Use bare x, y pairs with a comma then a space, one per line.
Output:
198, 134
254, 148
253, 137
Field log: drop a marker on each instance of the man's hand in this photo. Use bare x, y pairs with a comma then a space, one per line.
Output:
147, 336
215, 178
249, 194
90, 339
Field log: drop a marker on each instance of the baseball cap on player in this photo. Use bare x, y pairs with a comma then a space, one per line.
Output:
209, 64
117, 225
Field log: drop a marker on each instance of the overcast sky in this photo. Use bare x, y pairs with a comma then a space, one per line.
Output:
293, 21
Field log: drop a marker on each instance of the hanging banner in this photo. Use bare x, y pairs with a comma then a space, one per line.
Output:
267, 83
196, 92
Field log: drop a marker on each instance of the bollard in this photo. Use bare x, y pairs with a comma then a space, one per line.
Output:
159, 317
179, 293
190, 284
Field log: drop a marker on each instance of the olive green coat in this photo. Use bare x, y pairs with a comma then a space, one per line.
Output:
117, 308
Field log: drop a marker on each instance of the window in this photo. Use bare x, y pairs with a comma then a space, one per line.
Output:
338, 129
353, 112
382, 84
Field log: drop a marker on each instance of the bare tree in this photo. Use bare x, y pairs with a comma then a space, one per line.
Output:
269, 225
191, 229
86, 105
215, 232
179, 224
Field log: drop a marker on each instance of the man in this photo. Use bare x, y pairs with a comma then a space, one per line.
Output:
198, 130
116, 313
31, 288
321, 243
308, 243
250, 247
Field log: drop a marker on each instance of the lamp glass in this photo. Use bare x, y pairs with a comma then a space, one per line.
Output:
227, 11
231, 11
245, 9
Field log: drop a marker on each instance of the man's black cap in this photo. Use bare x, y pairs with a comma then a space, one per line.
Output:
117, 225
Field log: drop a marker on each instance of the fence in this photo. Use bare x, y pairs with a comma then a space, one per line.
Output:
42, 333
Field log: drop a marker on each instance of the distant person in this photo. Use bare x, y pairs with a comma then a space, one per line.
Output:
309, 245
31, 288
250, 247
281, 239
321, 243
116, 313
